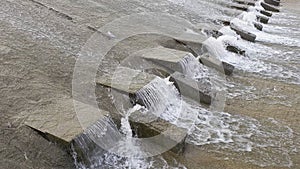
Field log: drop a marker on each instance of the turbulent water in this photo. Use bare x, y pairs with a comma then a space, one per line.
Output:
229, 134
275, 55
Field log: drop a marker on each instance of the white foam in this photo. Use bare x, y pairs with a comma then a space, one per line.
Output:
235, 135
194, 69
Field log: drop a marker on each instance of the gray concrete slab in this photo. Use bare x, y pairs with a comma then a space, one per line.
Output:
126, 80
244, 34
272, 2
166, 57
59, 121
213, 62
241, 7
262, 19
199, 91
245, 2
266, 13
269, 7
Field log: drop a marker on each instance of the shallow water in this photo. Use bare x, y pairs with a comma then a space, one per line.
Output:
274, 55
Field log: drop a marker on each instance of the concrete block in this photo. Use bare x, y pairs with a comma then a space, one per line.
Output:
169, 58
244, 34
169, 134
194, 45
258, 26
198, 50
262, 19
239, 7
223, 22
213, 33
58, 121
213, 62
272, 2
199, 91
269, 7
245, 2
266, 13
235, 49
125, 80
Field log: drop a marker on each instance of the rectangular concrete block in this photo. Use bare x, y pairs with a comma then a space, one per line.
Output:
269, 7
244, 34
59, 122
213, 62
258, 26
272, 2
239, 7
245, 2
266, 13
199, 91
169, 58
262, 19
125, 79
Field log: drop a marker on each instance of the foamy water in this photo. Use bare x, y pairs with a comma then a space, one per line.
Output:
264, 142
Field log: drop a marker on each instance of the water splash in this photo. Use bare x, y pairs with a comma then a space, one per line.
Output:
269, 141
163, 99
194, 69
225, 132
259, 59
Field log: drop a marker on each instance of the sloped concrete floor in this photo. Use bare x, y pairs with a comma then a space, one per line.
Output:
35, 70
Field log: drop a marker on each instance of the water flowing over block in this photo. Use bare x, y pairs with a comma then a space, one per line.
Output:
258, 26
269, 7
197, 49
58, 122
262, 19
169, 58
244, 34
130, 81
199, 91
125, 80
174, 60
234, 49
213, 33
213, 62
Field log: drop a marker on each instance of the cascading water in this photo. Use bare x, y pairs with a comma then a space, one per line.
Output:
163, 99
194, 69
259, 58
224, 131
228, 132
271, 142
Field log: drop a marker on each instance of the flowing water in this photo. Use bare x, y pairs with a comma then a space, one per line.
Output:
263, 142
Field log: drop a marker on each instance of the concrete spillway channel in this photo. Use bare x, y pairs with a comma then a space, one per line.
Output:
59, 122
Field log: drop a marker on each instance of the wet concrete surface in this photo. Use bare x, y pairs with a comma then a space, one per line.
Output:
39, 45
